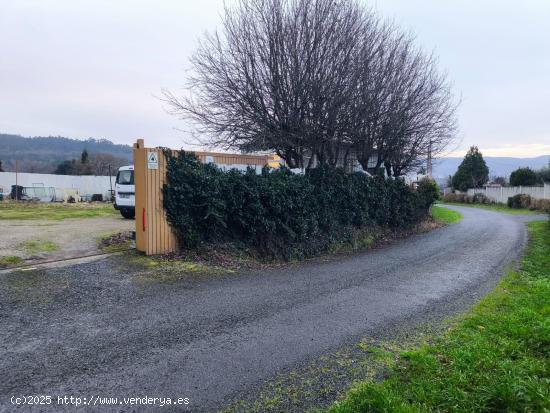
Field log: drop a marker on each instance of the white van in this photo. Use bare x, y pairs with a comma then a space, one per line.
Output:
125, 190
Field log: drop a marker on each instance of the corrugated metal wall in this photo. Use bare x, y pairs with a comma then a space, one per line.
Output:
86, 184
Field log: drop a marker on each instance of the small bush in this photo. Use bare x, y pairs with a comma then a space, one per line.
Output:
481, 199
280, 214
519, 201
428, 191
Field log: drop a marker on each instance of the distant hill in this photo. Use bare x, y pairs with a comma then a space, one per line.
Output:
42, 154
498, 166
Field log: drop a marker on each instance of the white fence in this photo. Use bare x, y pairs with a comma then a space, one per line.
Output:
503, 193
67, 184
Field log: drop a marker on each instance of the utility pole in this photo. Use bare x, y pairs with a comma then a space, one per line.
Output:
429, 165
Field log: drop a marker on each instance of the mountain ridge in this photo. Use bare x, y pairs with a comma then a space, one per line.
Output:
498, 165
42, 154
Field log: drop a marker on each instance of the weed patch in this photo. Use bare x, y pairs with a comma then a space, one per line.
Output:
120, 241
10, 261
33, 247
163, 270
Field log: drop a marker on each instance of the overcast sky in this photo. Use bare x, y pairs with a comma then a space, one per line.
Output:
83, 69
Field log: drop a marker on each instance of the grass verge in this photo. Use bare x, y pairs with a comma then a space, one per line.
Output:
445, 215
54, 212
496, 359
498, 208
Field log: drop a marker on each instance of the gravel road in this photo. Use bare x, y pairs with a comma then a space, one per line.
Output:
91, 329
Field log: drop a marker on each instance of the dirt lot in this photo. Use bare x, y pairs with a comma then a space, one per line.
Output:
35, 240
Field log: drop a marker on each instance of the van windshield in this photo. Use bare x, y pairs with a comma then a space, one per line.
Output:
125, 178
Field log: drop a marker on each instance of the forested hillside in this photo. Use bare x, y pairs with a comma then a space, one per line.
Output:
43, 154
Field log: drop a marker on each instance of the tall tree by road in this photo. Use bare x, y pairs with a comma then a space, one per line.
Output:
472, 172
317, 81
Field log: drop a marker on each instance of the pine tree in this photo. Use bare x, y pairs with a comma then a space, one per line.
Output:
84, 157
472, 172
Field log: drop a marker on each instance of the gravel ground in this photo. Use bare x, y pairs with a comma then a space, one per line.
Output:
96, 329
74, 237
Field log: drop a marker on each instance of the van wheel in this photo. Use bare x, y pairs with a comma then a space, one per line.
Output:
128, 214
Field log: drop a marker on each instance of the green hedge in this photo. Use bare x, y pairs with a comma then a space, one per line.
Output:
280, 214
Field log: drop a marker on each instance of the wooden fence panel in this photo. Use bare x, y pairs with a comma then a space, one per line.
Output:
153, 233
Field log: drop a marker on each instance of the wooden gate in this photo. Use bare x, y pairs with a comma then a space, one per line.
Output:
154, 235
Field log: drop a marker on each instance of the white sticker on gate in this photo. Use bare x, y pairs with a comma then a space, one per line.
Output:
152, 160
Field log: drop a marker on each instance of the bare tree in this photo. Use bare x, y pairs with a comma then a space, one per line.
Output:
317, 81
278, 78
103, 163
406, 108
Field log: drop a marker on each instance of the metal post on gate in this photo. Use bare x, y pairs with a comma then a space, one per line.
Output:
110, 184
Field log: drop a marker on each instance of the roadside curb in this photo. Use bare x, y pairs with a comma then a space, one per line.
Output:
60, 262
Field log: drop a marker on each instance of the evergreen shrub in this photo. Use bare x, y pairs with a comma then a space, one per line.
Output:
280, 214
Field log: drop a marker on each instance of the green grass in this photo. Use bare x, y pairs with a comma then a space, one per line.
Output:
445, 215
495, 359
55, 212
32, 247
10, 261
498, 208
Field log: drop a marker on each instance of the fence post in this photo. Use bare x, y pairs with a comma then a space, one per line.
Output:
153, 233
140, 195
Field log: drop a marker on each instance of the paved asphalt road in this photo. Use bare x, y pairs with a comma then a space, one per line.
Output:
92, 330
